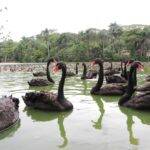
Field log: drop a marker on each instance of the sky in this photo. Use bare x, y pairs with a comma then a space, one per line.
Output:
30, 17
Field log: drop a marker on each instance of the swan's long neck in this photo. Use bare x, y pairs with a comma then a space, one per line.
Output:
48, 72
61, 85
77, 68
130, 88
101, 77
135, 77
121, 67
125, 71
131, 81
84, 70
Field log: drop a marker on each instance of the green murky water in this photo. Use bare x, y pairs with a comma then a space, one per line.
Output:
95, 123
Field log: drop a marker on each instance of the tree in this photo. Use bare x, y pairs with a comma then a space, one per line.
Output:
45, 36
115, 31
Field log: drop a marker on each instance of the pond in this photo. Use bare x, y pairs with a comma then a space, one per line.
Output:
96, 122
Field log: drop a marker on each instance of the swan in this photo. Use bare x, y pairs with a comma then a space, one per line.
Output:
9, 113
48, 100
140, 101
43, 82
109, 89
124, 74
89, 75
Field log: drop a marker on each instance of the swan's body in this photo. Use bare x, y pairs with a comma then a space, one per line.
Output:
92, 73
145, 87
124, 74
9, 113
115, 79
70, 74
41, 81
140, 101
110, 71
109, 89
40, 73
48, 100
148, 78
89, 75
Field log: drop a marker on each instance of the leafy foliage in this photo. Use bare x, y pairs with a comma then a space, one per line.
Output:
83, 46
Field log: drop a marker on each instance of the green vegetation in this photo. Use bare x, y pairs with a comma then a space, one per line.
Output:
115, 43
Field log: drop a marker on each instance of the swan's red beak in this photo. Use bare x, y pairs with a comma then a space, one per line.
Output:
55, 69
128, 63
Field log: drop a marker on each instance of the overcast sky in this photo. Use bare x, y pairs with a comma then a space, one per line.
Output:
29, 17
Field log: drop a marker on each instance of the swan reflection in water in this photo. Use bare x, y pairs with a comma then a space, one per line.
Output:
98, 124
143, 116
10, 132
84, 82
38, 115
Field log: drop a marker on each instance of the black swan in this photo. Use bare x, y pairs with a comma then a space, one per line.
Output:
9, 113
77, 64
43, 82
140, 101
144, 88
70, 73
148, 78
48, 100
124, 74
89, 75
110, 70
40, 73
109, 89
115, 79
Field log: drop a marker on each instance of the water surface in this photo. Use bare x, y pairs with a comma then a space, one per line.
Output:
96, 122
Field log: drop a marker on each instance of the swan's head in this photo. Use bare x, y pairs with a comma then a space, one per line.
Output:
138, 65
96, 61
129, 62
50, 60
59, 66
83, 64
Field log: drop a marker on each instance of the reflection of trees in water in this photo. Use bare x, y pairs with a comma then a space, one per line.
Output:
98, 124
142, 115
38, 115
10, 131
